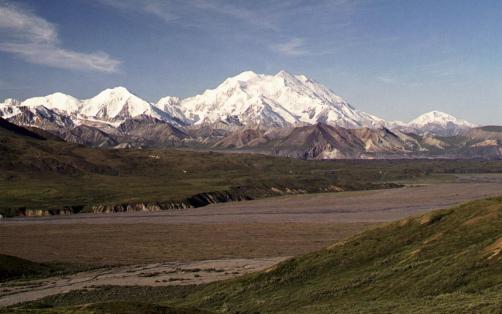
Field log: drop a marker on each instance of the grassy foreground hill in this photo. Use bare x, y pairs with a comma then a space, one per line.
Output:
446, 261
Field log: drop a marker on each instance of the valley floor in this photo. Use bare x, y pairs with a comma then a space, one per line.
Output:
220, 241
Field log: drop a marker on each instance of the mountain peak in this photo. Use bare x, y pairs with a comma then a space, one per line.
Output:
58, 94
55, 101
436, 113
286, 75
115, 104
245, 76
437, 122
273, 100
439, 117
118, 90
283, 73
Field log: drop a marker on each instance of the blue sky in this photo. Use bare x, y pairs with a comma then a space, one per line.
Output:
396, 59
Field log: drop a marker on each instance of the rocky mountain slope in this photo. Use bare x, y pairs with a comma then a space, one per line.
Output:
322, 141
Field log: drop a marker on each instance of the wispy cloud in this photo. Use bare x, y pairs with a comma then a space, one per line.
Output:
435, 72
35, 40
161, 9
182, 11
226, 8
265, 24
292, 47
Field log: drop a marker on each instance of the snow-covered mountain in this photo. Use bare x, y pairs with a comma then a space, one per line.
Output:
273, 101
245, 100
281, 114
439, 118
437, 122
58, 101
111, 107
115, 105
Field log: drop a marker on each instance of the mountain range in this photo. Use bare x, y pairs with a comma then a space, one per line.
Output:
281, 114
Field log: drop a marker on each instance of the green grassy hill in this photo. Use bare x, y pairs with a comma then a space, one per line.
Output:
446, 261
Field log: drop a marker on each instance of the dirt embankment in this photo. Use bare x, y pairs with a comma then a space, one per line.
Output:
198, 200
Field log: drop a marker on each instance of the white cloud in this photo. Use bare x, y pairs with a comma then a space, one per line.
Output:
293, 47
35, 40
443, 71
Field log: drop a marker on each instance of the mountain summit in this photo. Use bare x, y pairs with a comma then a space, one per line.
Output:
439, 123
439, 118
57, 101
117, 104
274, 101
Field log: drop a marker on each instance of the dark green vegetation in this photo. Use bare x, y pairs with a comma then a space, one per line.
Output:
53, 176
446, 261
110, 299
12, 267
117, 307
134, 308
